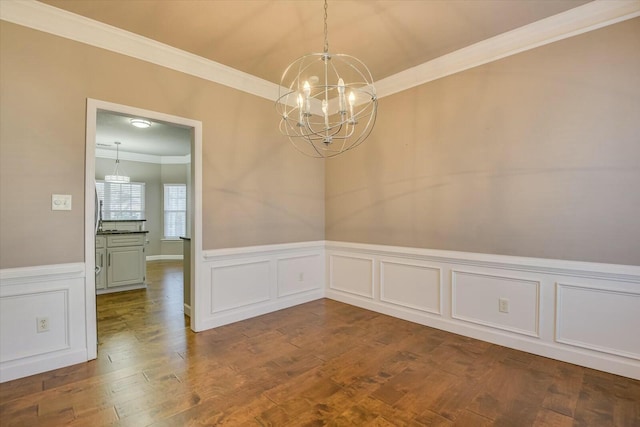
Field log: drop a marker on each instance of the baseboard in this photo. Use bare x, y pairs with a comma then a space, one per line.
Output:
164, 257
244, 313
187, 310
42, 363
602, 362
581, 313
121, 289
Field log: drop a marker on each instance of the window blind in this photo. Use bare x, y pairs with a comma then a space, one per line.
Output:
175, 210
121, 200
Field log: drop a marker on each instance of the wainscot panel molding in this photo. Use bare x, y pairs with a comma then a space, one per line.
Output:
54, 292
411, 284
475, 298
352, 274
240, 283
610, 313
578, 312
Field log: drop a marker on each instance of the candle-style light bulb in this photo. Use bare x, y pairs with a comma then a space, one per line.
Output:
325, 111
341, 104
300, 104
306, 87
352, 102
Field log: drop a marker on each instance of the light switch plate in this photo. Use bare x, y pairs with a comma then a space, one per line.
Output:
61, 202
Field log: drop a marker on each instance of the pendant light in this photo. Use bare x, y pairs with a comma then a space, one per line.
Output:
327, 102
116, 177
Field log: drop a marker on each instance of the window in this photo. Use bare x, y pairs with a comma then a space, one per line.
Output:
175, 210
121, 201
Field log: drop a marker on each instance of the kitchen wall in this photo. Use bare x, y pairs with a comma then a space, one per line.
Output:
534, 155
154, 175
256, 189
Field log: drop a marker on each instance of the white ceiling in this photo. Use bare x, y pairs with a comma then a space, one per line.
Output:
161, 139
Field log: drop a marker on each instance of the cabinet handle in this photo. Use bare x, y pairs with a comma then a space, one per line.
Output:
101, 260
109, 260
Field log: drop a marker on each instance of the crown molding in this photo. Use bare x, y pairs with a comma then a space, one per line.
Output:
144, 158
49, 19
588, 17
582, 19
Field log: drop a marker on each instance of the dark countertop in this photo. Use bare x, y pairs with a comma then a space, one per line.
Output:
123, 220
110, 232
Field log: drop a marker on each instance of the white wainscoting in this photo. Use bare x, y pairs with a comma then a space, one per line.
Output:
582, 313
54, 292
241, 283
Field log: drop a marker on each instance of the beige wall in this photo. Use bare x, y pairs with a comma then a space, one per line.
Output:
534, 155
256, 189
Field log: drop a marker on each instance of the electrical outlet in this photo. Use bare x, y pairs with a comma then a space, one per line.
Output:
42, 324
301, 277
503, 305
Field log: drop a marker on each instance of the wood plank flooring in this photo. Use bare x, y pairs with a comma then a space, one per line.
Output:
321, 363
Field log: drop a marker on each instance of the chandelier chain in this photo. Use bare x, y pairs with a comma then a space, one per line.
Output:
326, 37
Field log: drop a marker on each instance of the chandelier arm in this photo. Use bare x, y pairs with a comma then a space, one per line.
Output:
319, 134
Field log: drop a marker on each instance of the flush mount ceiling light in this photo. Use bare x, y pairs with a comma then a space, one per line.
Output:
116, 177
327, 102
140, 123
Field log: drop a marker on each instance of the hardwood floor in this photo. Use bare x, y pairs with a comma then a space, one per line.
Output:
321, 363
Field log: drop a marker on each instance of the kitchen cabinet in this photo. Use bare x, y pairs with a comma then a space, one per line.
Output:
124, 261
125, 266
101, 258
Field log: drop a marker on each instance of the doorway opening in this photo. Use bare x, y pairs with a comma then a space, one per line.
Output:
99, 115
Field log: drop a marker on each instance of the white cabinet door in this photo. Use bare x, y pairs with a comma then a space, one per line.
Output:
126, 266
101, 261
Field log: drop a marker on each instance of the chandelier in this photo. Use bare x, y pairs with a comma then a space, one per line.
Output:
327, 102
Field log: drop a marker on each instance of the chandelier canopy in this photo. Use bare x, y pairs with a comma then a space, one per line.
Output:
327, 102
